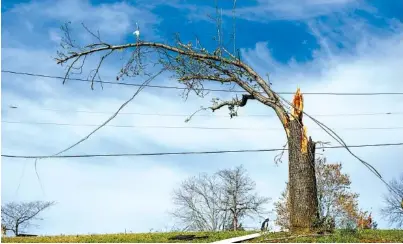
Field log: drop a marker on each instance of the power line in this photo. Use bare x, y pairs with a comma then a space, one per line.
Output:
190, 127
206, 89
189, 153
202, 115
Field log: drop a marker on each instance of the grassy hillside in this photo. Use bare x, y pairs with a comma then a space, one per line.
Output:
370, 236
138, 237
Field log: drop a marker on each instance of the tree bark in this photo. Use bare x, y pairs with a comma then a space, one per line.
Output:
235, 223
302, 181
3, 230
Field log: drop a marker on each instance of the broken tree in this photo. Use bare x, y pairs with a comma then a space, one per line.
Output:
193, 65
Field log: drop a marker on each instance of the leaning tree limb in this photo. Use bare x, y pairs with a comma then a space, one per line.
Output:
272, 100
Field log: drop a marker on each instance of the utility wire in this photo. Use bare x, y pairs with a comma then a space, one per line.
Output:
191, 127
206, 89
201, 115
172, 87
194, 152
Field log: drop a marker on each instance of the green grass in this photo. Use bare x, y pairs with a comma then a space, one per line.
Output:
124, 238
368, 236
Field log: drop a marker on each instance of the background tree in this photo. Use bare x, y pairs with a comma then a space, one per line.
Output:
239, 198
198, 204
335, 200
192, 65
17, 217
393, 209
3, 230
217, 202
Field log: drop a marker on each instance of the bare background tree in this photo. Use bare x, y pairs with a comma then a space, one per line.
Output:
217, 202
18, 217
239, 197
198, 204
393, 209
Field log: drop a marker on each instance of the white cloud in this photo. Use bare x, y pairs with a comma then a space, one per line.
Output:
114, 21
295, 10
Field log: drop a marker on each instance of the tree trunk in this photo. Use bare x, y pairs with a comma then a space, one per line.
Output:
16, 230
302, 181
235, 222
3, 230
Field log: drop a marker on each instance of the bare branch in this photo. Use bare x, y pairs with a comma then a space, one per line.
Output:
98, 67
98, 36
278, 157
191, 66
235, 102
196, 55
230, 104
191, 116
66, 76
230, 54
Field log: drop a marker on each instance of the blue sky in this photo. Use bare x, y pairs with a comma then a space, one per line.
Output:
320, 46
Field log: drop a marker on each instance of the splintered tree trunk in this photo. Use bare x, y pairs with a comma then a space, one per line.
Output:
302, 181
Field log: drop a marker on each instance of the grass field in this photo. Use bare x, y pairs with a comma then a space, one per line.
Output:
368, 236
138, 237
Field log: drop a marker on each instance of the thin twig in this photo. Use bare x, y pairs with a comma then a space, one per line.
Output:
278, 157
98, 67
193, 114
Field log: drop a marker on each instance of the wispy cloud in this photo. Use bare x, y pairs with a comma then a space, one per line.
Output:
269, 10
296, 10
